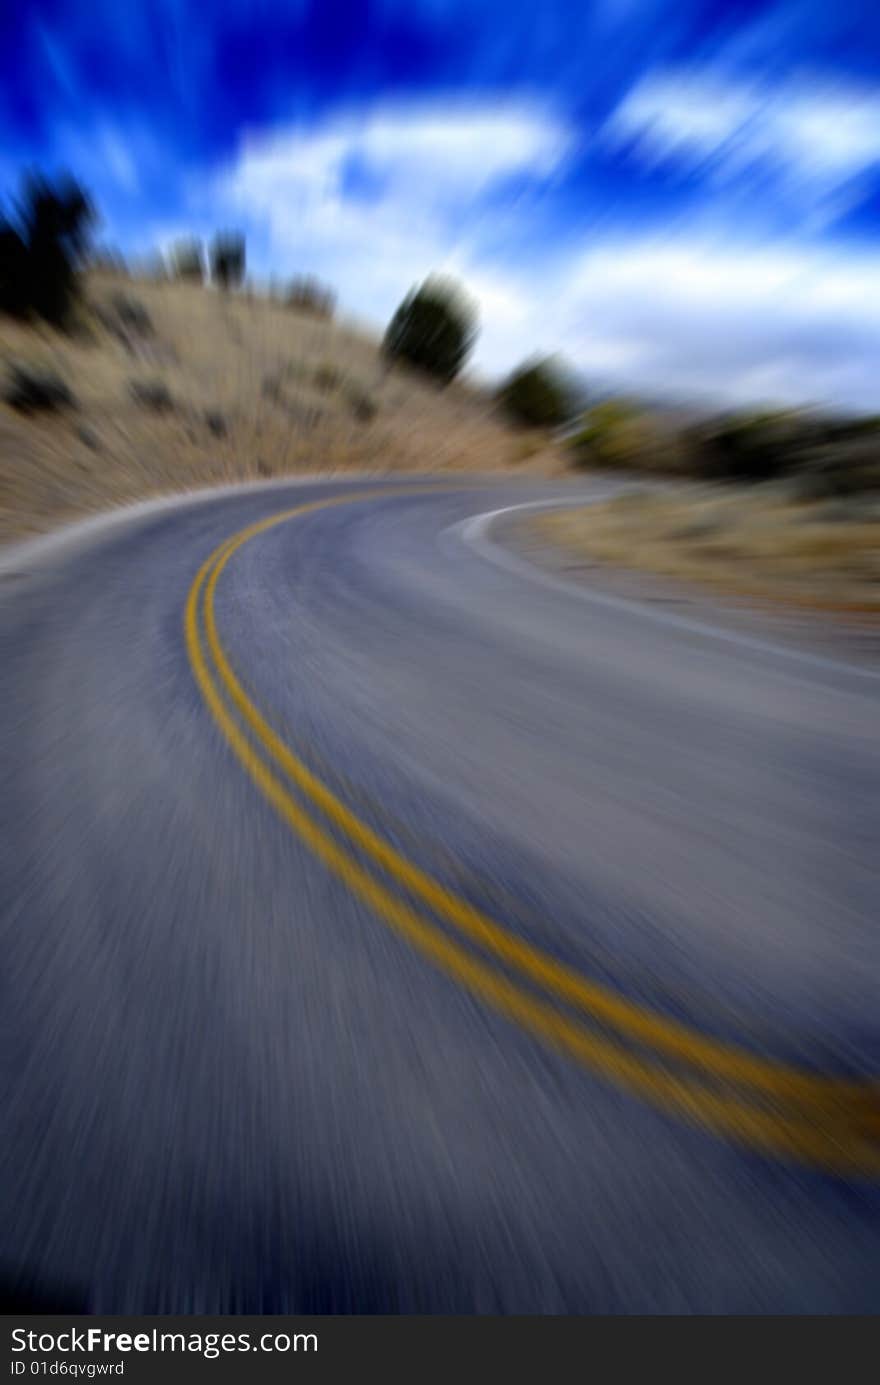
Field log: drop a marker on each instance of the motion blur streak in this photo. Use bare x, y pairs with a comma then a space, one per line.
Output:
386, 931
833, 1123
439, 865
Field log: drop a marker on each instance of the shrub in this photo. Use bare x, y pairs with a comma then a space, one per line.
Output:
612, 434
434, 329
757, 446
842, 467
362, 405
152, 394
306, 294
186, 259
327, 377
41, 255
538, 395
227, 259
125, 317
131, 313
33, 388
88, 437
271, 388
215, 422
809, 456
154, 266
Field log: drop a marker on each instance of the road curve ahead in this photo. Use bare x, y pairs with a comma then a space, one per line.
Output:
387, 929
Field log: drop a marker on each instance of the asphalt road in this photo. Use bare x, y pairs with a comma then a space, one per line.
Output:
384, 929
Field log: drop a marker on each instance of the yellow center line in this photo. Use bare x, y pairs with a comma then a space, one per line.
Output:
833, 1128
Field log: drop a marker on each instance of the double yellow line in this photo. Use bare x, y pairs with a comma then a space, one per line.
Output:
774, 1109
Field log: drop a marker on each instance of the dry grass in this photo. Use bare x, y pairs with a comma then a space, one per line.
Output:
296, 394
825, 556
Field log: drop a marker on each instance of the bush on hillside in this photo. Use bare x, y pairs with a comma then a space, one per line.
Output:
614, 433
151, 394
216, 423
125, 317
538, 396
186, 260
227, 259
154, 266
88, 437
31, 389
838, 469
363, 406
306, 294
42, 249
327, 376
271, 388
131, 313
434, 329
815, 456
752, 446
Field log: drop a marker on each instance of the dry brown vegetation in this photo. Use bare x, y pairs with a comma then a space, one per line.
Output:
177, 386
754, 542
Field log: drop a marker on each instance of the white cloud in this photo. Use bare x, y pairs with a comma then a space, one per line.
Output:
376, 200
817, 134
460, 148
696, 318
375, 203
727, 320
671, 115
831, 132
395, 174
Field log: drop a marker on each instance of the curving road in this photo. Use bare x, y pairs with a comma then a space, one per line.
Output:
389, 927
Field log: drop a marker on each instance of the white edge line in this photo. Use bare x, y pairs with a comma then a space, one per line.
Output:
475, 532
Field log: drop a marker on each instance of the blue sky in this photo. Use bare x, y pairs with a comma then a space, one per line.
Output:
682, 197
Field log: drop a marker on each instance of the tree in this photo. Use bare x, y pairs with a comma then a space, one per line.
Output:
14, 272
538, 395
41, 255
756, 445
56, 225
186, 259
434, 329
227, 259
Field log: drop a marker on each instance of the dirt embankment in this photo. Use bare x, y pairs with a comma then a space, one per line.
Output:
175, 386
745, 541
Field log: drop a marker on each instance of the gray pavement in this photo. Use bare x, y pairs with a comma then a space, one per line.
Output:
228, 1085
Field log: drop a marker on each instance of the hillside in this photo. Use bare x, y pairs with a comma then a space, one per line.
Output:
177, 386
